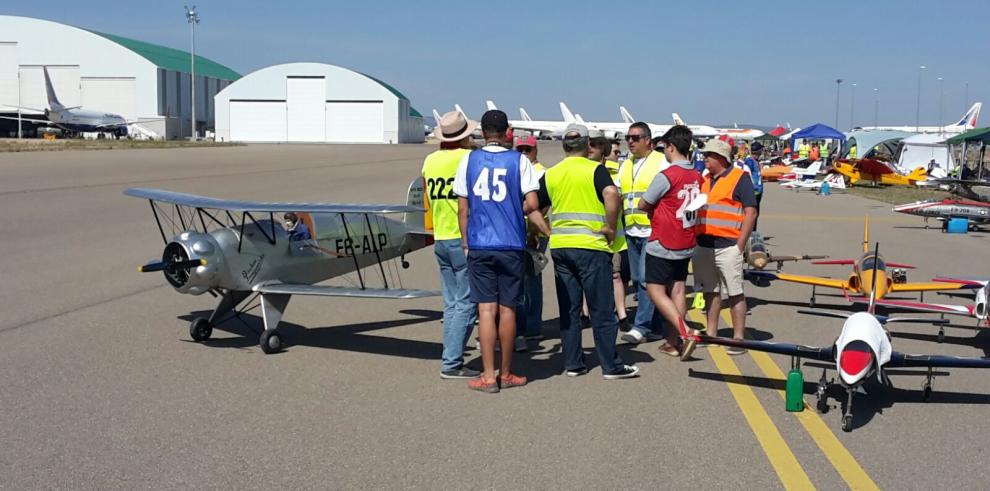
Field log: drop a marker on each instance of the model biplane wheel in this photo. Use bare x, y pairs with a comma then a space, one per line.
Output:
847, 423
271, 341
200, 329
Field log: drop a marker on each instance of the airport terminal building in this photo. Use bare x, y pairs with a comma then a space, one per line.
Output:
315, 102
134, 79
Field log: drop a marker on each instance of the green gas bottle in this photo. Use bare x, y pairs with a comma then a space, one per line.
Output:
795, 390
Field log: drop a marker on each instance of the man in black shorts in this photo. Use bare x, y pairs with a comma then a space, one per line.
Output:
672, 238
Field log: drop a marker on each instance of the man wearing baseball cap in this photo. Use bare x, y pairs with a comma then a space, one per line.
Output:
496, 189
723, 228
459, 313
529, 320
585, 209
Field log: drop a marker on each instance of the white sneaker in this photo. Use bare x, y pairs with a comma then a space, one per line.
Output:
633, 337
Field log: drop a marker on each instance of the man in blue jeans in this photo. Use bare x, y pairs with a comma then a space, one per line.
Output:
459, 313
585, 208
635, 176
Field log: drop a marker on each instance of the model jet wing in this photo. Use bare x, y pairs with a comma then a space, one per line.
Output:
776, 258
898, 360
341, 291
807, 280
929, 286
799, 350
195, 201
937, 308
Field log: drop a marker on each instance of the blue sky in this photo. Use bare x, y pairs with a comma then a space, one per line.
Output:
761, 62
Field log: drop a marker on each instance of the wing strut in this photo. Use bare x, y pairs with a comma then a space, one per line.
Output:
357, 266
154, 211
374, 245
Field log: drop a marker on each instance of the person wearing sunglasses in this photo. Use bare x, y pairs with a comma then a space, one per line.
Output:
529, 322
635, 175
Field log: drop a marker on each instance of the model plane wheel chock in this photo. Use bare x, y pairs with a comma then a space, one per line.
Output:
847, 423
200, 329
271, 341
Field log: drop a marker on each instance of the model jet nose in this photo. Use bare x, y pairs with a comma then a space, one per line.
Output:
855, 360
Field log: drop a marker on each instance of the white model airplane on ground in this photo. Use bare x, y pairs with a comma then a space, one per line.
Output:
835, 181
799, 174
862, 350
967, 122
76, 119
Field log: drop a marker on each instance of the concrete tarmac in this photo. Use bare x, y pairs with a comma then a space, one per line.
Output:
102, 387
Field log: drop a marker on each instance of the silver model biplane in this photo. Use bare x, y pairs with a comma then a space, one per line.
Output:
236, 250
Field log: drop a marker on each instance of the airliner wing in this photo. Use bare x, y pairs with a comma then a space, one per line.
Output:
799, 350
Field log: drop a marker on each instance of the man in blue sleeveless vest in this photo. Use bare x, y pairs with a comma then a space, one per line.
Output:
496, 188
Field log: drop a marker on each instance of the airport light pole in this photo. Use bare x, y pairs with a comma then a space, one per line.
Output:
852, 107
838, 83
876, 106
917, 111
940, 93
192, 17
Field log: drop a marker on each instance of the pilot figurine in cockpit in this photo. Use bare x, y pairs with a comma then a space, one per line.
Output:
296, 229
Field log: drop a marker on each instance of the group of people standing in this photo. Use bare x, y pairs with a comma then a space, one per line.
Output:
494, 210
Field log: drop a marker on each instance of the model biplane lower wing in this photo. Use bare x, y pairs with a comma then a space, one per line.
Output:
340, 291
194, 201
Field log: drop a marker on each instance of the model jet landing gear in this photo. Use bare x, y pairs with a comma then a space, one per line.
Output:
926, 389
405, 264
822, 398
811, 303
941, 334
847, 417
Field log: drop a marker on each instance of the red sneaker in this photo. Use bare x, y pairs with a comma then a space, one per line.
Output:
511, 380
483, 385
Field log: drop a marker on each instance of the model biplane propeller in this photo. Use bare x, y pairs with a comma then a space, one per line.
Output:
238, 250
862, 350
860, 281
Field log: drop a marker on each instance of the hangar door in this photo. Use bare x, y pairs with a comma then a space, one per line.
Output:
110, 94
257, 120
305, 96
355, 122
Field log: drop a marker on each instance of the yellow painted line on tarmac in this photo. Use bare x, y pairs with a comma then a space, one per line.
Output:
836, 453
784, 463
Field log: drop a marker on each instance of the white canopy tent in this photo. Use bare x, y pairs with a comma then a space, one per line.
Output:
918, 150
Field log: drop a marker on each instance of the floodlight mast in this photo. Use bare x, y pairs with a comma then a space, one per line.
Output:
192, 17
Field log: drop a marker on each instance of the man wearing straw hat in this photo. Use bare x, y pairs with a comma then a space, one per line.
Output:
459, 313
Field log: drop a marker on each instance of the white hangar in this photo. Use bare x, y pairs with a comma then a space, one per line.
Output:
314, 102
99, 71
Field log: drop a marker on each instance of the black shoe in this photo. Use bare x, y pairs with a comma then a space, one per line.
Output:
627, 371
460, 373
576, 372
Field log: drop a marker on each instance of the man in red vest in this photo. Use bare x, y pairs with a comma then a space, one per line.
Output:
723, 228
672, 239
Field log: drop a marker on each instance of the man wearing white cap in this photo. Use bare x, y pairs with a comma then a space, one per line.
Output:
459, 313
723, 228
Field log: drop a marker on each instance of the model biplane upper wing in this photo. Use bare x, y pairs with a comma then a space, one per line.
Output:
341, 291
807, 280
194, 201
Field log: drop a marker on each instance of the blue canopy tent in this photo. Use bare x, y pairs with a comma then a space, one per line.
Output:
818, 132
